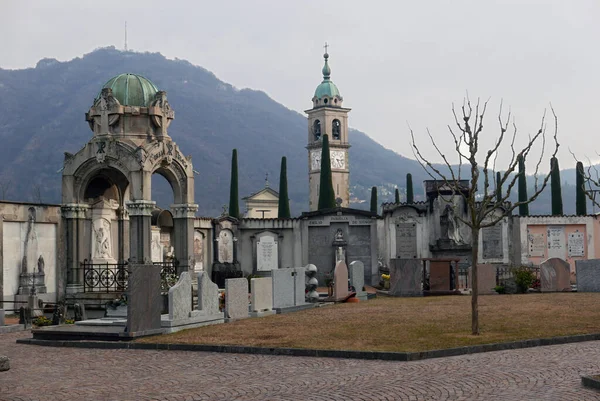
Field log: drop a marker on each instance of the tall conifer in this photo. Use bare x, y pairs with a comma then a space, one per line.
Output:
523, 209
498, 188
556, 192
397, 196
409, 189
374, 200
234, 204
580, 200
326, 194
284, 201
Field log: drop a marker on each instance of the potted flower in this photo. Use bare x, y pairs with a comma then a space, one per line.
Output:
385, 278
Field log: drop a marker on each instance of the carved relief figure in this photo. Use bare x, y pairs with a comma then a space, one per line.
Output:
30, 244
41, 265
225, 246
452, 225
101, 241
339, 235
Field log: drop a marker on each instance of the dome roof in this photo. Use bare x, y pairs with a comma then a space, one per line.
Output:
327, 87
131, 89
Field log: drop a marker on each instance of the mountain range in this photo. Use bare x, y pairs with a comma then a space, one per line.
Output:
42, 116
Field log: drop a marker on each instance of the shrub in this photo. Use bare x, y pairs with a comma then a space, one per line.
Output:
500, 289
524, 278
42, 321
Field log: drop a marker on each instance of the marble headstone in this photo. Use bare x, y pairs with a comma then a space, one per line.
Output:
555, 275
486, 279
405, 277
588, 275
340, 281
356, 272
236, 298
180, 298
208, 295
283, 288
261, 294
144, 302
299, 285
266, 253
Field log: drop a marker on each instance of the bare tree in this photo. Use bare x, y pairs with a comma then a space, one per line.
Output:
487, 208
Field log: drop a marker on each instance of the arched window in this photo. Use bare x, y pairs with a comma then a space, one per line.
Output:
336, 129
317, 129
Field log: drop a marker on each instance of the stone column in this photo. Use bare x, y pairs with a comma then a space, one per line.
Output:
74, 215
183, 234
123, 237
140, 213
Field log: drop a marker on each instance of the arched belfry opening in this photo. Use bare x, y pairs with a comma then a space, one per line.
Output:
107, 198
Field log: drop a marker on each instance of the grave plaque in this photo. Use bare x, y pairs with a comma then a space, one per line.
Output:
406, 240
556, 242
491, 239
537, 245
266, 254
576, 246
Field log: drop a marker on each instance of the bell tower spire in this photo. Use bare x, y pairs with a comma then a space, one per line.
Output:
327, 116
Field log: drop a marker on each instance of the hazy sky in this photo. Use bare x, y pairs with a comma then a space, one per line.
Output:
394, 62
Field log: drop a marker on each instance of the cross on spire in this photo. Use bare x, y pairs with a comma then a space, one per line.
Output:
267, 180
326, 46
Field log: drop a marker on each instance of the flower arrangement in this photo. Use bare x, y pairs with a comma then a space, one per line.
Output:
385, 281
168, 281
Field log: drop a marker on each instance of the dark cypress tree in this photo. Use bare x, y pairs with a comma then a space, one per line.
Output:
498, 187
326, 194
284, 201
580, 200
523, 209
234, 204
410, 198
374, 200
557, 205
397, 194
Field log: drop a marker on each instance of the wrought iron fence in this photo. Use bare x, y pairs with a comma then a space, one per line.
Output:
104, 277
464, 273
113, 277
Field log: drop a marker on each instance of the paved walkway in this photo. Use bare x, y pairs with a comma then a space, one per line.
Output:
47, 373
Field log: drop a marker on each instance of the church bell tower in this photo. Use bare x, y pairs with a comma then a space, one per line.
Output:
328, 117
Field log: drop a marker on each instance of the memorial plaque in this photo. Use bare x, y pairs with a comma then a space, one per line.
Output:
537, 245
266, 254
576, 244
556, 242
491, 239
406, 240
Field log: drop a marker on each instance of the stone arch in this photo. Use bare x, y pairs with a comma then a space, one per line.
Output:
177, 177
95, 180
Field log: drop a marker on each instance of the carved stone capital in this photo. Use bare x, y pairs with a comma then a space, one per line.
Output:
184, 210
74, 210
140, 207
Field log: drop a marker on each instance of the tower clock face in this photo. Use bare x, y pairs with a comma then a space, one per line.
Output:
338, 159
315, 159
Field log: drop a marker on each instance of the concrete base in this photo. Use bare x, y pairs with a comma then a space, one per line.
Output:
13, 328
294, 308
105, 321
362, 295
262, 313
71, 332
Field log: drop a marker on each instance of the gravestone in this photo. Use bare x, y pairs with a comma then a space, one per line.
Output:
555, 275
405, 277
236, 298
299, 286
439, 275
4, 363
576, 245
356, 272
491, 241
283, 288
588, 275
79, 312
266, 254
225, 248
208, 295
406, 240
556, 242
486, 279
537, 244
144, 303
340, 281
180, 298
261, 297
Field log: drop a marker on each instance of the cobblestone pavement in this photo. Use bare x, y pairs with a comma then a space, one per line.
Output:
48, 373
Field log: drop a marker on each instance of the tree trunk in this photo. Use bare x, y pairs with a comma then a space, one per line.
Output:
475, 290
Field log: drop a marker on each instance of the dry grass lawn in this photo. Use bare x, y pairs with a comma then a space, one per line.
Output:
408, 324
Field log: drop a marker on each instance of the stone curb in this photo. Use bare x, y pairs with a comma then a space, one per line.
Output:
13, 328
372, 355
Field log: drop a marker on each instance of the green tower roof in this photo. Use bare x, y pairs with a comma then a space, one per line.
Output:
327, 87
131, 89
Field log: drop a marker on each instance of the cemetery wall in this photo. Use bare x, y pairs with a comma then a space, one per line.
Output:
48, 243
267, 244
569, 238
